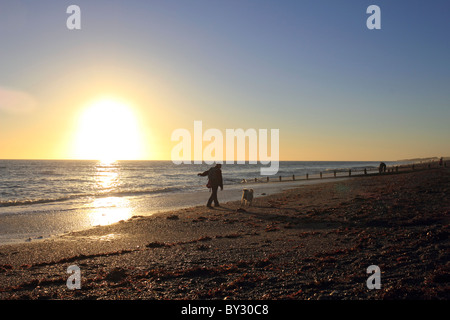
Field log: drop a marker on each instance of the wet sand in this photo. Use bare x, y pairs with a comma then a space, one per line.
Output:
311, 242
49, 222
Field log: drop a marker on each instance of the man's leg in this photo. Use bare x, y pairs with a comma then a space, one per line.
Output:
216, 201
213, 196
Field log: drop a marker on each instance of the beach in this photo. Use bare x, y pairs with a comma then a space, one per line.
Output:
311, 242
41, 199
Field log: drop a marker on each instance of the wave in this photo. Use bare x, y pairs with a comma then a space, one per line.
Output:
113, 193
51, 173
11, 203
138, 192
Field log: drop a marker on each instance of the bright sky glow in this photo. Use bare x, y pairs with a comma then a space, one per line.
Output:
312, 69
108, 131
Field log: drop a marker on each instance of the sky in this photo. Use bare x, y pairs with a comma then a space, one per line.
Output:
334, 89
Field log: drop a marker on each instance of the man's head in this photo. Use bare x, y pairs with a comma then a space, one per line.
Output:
218, 165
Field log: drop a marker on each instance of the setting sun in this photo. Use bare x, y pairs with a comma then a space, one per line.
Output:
108, 130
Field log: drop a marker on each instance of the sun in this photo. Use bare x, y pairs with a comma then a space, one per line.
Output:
108, 130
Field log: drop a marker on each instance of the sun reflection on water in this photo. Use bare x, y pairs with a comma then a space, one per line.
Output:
107, 175
106, 211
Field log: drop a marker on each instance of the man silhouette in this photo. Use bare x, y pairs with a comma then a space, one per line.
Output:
382, 167
214, 182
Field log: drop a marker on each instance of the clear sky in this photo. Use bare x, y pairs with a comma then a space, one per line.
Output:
310, 68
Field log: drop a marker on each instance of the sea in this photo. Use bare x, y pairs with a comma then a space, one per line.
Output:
40, 199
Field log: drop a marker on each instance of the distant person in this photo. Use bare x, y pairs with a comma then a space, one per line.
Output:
440, 162
214, 182
382, 167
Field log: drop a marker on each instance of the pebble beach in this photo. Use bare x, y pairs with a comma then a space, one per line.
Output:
313, 242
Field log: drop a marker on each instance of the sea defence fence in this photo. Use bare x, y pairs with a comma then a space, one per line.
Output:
354, 172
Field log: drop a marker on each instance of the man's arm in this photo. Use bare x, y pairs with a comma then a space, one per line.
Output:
204, 174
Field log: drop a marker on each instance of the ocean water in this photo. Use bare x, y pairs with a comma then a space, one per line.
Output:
43, 198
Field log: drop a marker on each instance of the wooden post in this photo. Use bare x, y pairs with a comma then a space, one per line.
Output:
413, 166
280, 178
293, 177
267, 179
396, 168
349, 172
335, 173
307, 176
365, 171
256, 179
321, 175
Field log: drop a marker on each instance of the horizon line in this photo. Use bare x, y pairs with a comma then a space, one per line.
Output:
223, 162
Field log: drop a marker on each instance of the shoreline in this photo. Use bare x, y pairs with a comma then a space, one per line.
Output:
21, 224
52, 224
311, 242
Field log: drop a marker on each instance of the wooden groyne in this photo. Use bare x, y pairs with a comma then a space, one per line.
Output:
342, 173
